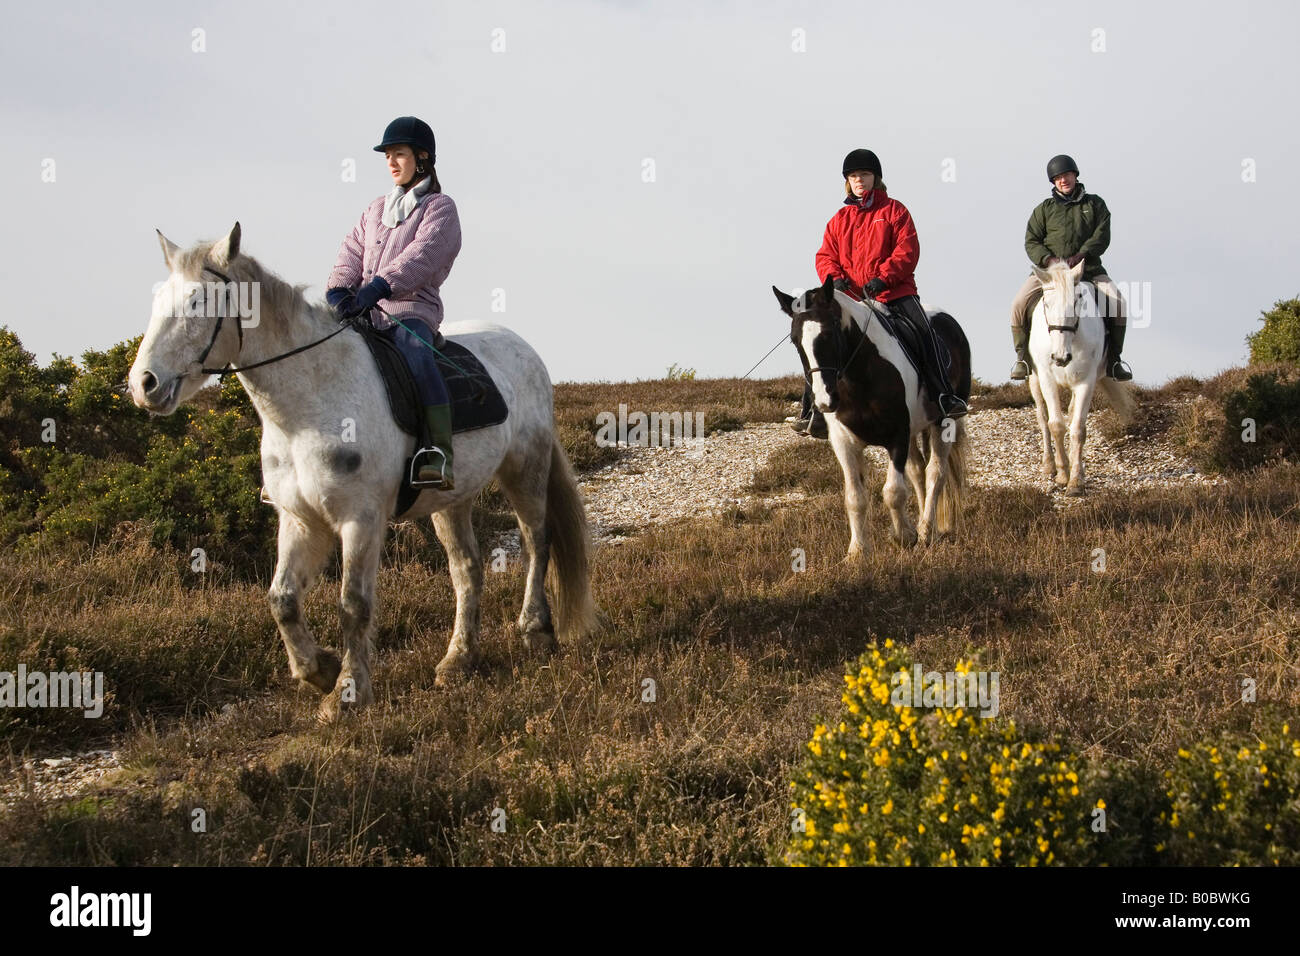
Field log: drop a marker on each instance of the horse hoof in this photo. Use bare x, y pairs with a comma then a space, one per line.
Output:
334, 705
909, 539
1074, 491
453, 668
540, 642
327, 671
855, 556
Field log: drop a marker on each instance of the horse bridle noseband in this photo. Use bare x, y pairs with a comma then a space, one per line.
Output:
239, 327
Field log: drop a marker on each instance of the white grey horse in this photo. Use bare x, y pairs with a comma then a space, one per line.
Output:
1067, 343
332, 459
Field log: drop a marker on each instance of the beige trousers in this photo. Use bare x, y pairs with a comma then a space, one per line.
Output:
1110, 301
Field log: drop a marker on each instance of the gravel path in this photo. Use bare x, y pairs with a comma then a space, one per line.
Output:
649, 486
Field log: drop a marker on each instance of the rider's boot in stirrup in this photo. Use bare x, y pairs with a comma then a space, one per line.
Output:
431, 465
1020, 339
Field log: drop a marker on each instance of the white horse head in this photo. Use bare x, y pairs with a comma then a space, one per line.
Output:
1065, 302
188, 327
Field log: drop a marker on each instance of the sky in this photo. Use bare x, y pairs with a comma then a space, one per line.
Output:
633, 178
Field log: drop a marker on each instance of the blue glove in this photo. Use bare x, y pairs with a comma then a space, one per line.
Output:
369, 295
874, 288
341, 299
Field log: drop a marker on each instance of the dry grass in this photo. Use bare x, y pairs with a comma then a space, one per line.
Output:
1199, 592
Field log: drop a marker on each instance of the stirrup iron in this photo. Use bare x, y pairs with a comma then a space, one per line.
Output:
413, 477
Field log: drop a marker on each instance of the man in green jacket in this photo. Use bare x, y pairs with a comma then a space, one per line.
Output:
1072, 225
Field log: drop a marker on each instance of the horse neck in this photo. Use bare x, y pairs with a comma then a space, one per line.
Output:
289, 391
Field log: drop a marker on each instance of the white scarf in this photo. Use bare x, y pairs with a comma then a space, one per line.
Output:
400, 202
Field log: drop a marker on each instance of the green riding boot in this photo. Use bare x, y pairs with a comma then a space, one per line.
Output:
431, 465
1020, 339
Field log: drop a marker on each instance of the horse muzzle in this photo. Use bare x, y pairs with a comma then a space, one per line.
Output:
160, 398
1060, 361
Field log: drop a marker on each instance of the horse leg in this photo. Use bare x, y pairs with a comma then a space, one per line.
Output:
303, 551
936, 471
362, 546
849, 452
1046, 468
1079, 405
1056, 424
916, 453
456, 532
896, 495
525, 489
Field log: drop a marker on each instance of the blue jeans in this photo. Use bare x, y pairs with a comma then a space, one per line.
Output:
423, 363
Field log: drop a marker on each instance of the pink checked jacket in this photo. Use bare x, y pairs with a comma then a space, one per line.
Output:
414, 259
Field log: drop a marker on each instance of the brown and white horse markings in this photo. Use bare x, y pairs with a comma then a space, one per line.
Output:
870, 395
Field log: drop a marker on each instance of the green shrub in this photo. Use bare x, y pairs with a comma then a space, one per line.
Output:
1234, 802
1279, 339
1248, 417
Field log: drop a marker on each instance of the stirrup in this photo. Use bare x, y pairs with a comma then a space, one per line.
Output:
958, 409
801, 424
1119, 371
413, 478
1020, 371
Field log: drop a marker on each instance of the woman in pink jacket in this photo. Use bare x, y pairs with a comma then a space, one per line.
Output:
396, 257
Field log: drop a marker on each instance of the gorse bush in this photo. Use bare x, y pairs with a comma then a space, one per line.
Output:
77, 459
1279, 339
895, 784
1234, 802
900, 785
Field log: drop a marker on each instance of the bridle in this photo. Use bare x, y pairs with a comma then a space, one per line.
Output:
239, 327
839, 370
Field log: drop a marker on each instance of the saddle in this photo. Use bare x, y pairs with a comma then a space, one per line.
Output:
476, 402
909, 337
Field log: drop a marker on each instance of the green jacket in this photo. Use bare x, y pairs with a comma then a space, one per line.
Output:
1067, 227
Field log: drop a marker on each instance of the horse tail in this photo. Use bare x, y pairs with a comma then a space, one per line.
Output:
953, 492
1119, 397
566, 529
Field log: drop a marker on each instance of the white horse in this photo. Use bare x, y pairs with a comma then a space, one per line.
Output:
332, 460
1067, 345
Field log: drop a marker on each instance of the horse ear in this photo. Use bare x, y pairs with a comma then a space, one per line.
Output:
1077, 270
1043, 275
787, 301
828, 289
170, 250
224, 251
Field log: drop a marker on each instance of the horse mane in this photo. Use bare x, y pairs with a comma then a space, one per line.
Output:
277, 296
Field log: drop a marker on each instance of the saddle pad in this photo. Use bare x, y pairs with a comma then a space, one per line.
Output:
476, 402
909, 337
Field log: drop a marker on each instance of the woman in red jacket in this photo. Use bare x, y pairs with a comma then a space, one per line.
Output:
871, 246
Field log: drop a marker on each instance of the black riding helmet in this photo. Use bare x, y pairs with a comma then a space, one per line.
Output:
862, 159
1061, 164
408, 131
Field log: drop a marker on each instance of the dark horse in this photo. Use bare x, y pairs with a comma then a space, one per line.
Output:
870, 394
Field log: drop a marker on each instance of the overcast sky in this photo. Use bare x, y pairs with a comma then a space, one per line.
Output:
1182, 116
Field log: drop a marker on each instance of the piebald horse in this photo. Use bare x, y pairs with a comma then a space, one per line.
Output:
1067, 347
332, 460
869, 392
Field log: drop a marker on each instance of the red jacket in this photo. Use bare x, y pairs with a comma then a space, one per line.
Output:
876, 241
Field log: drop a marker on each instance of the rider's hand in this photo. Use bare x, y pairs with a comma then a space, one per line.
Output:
1074, 260
369, 295
341, 299
843, 285
874, 288
1051, 261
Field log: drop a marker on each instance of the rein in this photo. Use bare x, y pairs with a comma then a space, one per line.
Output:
223, 372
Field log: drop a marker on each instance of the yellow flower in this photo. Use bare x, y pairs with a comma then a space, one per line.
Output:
888, 808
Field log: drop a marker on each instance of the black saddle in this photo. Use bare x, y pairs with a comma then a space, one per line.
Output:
476, 402
911, 338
